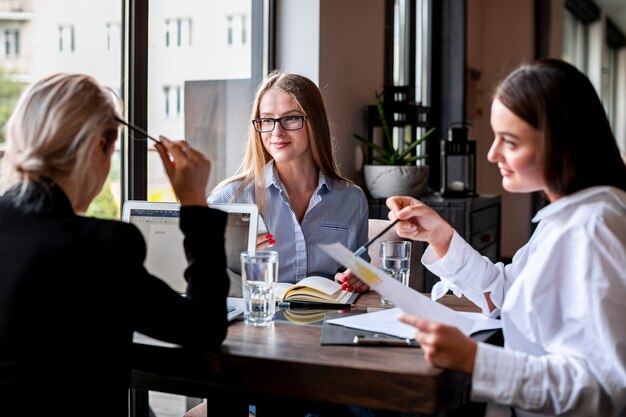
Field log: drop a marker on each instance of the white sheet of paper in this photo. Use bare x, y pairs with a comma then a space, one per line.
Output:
386, 322
407, 299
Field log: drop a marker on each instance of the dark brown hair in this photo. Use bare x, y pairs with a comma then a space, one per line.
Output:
579, 149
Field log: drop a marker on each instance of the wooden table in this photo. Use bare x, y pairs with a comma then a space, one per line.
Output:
287, 361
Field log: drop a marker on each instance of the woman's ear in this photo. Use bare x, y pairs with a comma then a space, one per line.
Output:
105, 144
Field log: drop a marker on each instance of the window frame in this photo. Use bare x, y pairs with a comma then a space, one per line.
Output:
135, 15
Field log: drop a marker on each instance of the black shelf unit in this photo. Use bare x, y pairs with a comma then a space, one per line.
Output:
476, 219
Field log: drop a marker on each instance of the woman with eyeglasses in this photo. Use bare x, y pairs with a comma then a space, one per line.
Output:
290, 173
73, 289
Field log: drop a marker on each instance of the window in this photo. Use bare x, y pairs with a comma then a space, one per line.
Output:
201, 90
66, 38
575, 41
410, 65
113, 36
229, 30
237, 30
173, 101
177, 33
609, 83
11, 43
578, 15
52, 47
614, 41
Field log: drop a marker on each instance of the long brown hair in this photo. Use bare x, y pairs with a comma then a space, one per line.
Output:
309, 100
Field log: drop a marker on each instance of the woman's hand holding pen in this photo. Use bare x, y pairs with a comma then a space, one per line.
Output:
350, 282
444, 346
187, 169
420, 222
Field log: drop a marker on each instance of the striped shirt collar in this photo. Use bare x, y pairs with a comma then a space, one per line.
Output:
272, 179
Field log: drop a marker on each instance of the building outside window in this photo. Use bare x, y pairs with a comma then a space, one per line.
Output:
44, 36
201, 81
194, 57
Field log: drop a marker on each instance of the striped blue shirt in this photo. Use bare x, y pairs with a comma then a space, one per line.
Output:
337, 212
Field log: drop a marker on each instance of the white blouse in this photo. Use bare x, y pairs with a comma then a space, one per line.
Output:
562, 302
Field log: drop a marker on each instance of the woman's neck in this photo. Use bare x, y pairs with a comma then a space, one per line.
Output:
300, 183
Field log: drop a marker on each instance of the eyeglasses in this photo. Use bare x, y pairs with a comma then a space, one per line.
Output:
267, 124
136, 129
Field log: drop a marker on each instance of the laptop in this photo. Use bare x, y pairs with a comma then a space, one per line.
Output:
158, 223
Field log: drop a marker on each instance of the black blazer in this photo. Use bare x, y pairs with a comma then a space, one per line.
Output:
73, 290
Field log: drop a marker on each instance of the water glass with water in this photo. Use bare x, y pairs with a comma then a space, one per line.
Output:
395, 260
259, 275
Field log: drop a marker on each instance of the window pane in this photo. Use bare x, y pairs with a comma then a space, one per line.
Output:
609, 83
200, 81
574, 41
39, 38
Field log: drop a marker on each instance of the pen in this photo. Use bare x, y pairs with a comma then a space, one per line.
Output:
136, 129
291, 305
363, 248
380, 341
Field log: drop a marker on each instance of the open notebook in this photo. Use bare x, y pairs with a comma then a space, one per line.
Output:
158, 222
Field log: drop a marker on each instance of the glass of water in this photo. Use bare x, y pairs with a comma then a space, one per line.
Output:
259, 275
395, 259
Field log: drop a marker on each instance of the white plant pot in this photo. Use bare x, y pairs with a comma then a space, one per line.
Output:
384, 181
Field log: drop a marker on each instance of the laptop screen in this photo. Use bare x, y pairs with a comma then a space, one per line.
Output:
158, 223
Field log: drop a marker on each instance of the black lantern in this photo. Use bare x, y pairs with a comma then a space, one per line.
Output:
458, 163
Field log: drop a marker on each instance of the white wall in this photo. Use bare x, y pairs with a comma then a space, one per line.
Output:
342, 51
298, 37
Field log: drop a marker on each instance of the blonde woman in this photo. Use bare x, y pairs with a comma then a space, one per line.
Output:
290, 173
73, 289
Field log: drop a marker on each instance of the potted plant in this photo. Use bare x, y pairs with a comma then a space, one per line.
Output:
393, 170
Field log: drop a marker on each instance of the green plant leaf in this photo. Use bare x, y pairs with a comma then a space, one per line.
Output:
379, 149
382, 160
414, 158
414, 144
389, 155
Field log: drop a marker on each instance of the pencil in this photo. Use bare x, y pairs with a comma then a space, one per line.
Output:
363, 248
137, 129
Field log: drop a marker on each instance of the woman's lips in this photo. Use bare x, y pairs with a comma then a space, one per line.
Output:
280, 145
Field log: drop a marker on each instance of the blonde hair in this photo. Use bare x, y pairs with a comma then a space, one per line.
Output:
309, 100
53, 129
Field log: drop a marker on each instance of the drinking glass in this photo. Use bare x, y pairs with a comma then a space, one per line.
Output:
259, 275
395, 260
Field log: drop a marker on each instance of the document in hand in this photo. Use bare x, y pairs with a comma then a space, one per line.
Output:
407, 299
314, 289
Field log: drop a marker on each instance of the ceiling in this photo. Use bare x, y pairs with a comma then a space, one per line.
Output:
616, 10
